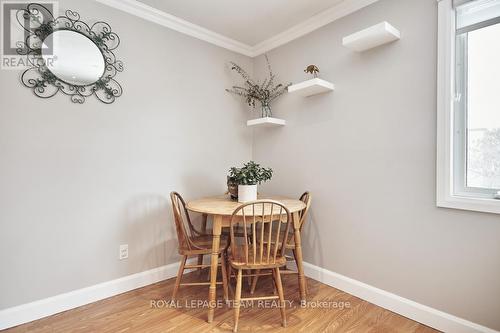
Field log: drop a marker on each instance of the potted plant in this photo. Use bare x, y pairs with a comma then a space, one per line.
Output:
232, 187
247, 179
264, 92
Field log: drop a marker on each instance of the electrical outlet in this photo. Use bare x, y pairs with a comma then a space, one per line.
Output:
123, 251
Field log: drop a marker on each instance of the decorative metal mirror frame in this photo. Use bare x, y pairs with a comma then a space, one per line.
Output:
43, 82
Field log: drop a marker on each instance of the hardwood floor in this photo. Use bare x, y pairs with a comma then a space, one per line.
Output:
135, 311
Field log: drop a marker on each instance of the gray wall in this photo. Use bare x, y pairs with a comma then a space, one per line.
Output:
367, 153
78, 180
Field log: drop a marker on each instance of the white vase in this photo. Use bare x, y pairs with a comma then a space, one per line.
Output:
247, 193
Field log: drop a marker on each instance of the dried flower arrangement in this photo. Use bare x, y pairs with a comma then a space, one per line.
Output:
253, 91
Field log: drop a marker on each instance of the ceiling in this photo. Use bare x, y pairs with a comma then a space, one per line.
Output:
247, 27
249, 22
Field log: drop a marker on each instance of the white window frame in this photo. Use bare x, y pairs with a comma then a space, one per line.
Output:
447, 194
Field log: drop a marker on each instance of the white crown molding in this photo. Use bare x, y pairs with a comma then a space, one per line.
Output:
330, 15
172, 22
157, 16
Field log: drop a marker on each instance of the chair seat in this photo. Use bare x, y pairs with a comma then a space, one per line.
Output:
205, 244
291, 240
239, 232
238, 260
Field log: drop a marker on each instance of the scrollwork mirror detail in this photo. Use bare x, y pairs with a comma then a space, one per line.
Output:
69, 56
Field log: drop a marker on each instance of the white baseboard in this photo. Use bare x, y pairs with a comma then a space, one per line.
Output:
426, 315
421, 313
46, 307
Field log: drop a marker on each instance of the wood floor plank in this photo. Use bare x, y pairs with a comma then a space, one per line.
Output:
133, 312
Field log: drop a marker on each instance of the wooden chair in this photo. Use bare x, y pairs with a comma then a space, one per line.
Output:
193, 243
264, 221
290, 245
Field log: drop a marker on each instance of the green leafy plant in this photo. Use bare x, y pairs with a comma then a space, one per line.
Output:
250, 174
253, 91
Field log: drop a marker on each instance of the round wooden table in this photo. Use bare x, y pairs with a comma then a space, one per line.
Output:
221, 208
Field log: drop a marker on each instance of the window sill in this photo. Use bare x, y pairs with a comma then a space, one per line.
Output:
485, 205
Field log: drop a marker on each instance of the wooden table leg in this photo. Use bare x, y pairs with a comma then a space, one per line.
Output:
204, 231
217, 224
298, 253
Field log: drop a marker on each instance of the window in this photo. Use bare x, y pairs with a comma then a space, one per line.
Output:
469, 105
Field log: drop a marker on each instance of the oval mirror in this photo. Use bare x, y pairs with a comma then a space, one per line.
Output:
73, 57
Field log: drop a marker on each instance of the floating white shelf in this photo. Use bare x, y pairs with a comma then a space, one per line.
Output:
311, 87
371, 37
266, 122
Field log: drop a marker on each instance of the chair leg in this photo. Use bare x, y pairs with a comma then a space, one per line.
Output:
285, 267
237, 299
254, 281
281, 296
249, 278
200, 262
275, 290
224, 275
229, 273
179, 276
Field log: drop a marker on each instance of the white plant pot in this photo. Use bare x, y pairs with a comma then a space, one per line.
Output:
247, 193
